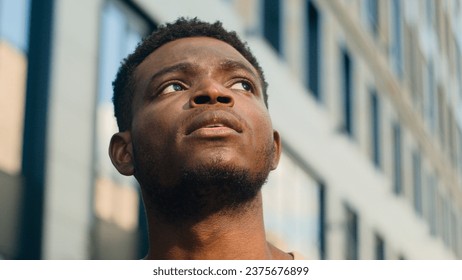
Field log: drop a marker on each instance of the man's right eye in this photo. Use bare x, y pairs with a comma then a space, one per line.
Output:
172, 87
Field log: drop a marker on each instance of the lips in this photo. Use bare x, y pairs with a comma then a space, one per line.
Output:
213, 120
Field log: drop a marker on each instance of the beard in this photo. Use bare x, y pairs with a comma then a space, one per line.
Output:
204, 190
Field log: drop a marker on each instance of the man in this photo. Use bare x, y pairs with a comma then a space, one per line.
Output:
194, 130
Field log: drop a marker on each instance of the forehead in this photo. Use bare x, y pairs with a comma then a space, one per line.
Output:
197, 50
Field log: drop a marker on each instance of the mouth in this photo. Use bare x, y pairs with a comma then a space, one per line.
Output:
214, 125
216, 121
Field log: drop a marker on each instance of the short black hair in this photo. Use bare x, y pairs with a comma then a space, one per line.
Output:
124, 83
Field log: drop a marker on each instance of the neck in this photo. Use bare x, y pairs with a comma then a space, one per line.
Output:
219, 236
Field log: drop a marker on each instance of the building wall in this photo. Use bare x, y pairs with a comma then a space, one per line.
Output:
68, 212
343, 28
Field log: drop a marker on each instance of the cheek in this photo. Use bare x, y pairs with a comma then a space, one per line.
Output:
146, 129
262, 128
156, 132
150, 117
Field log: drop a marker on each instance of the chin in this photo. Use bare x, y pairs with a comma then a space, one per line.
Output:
217, 158
206, 189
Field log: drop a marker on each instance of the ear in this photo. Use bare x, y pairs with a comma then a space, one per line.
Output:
121, 152
277, 149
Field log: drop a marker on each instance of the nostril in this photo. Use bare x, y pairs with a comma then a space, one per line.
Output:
202, 99
224, 99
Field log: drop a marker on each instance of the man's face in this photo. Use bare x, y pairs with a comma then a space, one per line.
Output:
199, 105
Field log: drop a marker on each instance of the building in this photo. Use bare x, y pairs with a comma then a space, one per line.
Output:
367, 96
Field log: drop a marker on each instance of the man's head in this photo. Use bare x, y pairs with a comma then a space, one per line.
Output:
124, 84
199, 139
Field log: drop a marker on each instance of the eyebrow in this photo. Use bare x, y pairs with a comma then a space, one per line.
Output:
232, 65
180, 67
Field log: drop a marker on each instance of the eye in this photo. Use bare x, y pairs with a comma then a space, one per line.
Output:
242, 85
173, 87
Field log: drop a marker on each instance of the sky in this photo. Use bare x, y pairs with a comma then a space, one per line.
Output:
14, 22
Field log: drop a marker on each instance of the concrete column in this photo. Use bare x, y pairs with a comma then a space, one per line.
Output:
69, 178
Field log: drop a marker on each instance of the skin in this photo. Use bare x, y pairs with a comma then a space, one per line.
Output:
199, 101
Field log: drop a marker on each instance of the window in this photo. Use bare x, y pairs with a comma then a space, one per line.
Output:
453, 231
313, 53
459, 68
297, 211
352, 234
417, 181
419, 71
445, 216
440, 220
347, 75
322, 221
430, 102
432, 204
452, 146
459, 233
397, 182
430, 11
375, 127
372, 16
412, 60
396, 38
272, 23
459, 134
116, 200
379, 247
441, 117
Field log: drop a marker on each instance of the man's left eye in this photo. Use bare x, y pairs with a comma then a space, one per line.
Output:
242, 85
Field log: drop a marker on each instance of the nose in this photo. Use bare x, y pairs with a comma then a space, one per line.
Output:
211, 93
